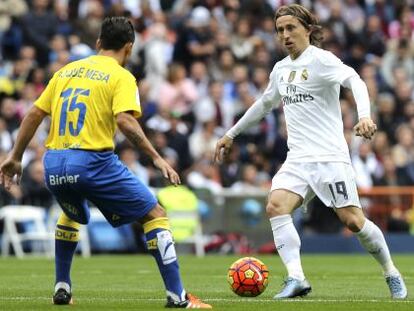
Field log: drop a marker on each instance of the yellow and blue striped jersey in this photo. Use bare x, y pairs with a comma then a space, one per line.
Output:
83, 99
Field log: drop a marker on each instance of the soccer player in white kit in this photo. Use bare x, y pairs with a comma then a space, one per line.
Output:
307, 83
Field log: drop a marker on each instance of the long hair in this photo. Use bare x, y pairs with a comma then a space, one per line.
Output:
306, 18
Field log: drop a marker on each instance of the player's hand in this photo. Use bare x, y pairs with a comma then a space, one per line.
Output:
365, 128
167, 171
223, 147
8, 169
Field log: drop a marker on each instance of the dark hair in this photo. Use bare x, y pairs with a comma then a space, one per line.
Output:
116, 32
306, 18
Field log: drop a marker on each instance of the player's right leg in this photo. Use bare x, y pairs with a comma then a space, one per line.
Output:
281, 204
161, 246
122, 198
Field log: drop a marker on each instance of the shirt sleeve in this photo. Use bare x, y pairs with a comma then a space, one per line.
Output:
361, 96
44, 102
334, 70
126, 96
270, 99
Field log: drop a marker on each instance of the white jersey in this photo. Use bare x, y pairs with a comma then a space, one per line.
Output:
308, 88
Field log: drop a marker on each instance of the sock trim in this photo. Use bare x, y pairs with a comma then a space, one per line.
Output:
67, 222
157, 223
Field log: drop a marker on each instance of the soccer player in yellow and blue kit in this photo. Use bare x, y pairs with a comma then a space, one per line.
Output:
86, 101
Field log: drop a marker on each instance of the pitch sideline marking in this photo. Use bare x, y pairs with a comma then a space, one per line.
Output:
223, 300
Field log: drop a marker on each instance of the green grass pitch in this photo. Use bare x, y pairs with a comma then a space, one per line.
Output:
128, 282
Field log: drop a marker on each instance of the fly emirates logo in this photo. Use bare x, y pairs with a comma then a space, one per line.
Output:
294, 97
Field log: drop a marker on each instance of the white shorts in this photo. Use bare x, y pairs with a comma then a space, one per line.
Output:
332, 182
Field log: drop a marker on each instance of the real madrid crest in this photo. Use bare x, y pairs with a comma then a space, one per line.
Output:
292, 76
304, 76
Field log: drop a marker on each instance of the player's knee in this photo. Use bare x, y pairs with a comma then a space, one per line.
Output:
353, 223
157, 212
274, 209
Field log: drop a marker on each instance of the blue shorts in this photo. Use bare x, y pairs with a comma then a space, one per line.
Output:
77, 176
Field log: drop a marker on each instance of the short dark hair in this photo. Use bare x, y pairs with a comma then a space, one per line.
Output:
306, 18
116, 31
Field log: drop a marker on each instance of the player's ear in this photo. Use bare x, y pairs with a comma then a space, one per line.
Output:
98, 44
128, 47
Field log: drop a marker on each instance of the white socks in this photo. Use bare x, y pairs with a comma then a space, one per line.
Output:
373, 241
287, 243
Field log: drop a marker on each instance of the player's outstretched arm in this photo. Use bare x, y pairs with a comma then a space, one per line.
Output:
365, 126
12, 165
130, 127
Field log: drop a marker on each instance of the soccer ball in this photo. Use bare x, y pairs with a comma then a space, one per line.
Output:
248, 277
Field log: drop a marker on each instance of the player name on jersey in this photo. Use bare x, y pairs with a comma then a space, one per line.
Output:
84, 73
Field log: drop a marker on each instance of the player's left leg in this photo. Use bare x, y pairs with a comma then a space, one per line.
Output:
161, 245
66, 240
372, 239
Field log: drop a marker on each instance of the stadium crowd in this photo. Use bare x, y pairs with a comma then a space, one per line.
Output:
200, 64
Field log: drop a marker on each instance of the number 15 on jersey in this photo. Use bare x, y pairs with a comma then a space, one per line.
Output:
72, 96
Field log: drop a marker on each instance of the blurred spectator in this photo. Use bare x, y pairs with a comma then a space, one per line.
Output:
158, 53
177, 138
6, 142
387, 118
195, 41
322, 9
366, 166
381, 145
204, 175
199, 75
392, 175
208, 136
403, 151
178, 93
267, 35
39, 26
242, 41
129, 156
34, 191
384, 9
337, 24
214, 107
90, 24
400, 57
353, 16
9, 114
65, 27
374, 37
248, 180
9, 10
398, 222
403, 26
230, 170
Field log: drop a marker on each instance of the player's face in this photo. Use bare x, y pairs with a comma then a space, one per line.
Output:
292, 34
